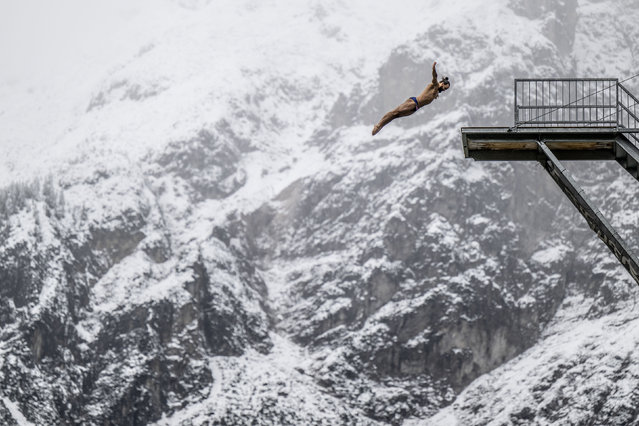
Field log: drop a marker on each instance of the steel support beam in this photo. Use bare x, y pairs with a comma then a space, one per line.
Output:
593, 216
627, 155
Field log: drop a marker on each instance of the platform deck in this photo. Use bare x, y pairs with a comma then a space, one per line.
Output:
566, 143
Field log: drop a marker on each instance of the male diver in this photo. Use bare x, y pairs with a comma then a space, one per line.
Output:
430, 93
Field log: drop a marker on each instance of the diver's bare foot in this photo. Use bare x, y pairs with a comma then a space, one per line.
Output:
376, 129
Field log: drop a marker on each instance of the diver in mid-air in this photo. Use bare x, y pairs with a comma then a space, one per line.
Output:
430, 93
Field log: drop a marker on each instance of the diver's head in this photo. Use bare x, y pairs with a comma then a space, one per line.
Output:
444, 84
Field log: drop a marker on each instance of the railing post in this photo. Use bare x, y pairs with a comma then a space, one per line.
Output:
617, 96
516, 112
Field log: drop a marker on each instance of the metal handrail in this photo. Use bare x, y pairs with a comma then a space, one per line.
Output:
625, 108
575, 102
628, 93
565, 79
561, 106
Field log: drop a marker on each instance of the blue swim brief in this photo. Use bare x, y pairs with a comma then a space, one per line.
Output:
416, 103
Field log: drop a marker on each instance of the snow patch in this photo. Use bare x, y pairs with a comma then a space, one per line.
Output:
551, 254
16, 412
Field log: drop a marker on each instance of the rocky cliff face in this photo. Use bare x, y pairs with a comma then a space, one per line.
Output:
224, 242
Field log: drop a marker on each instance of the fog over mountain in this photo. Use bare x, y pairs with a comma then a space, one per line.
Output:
198, 227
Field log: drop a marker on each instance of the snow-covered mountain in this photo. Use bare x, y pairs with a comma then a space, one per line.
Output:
198, 227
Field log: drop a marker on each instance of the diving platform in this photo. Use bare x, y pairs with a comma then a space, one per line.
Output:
567, 143
567, 120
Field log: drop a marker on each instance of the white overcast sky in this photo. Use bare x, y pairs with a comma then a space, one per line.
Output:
70, 38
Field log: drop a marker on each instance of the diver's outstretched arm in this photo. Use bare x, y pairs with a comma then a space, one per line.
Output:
434, 73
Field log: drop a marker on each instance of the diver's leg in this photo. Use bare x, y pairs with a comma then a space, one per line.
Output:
390, 116
405, 109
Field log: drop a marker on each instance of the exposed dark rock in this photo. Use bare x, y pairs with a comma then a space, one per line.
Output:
207, 162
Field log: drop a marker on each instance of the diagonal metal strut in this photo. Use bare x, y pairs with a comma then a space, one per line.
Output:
593, 216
